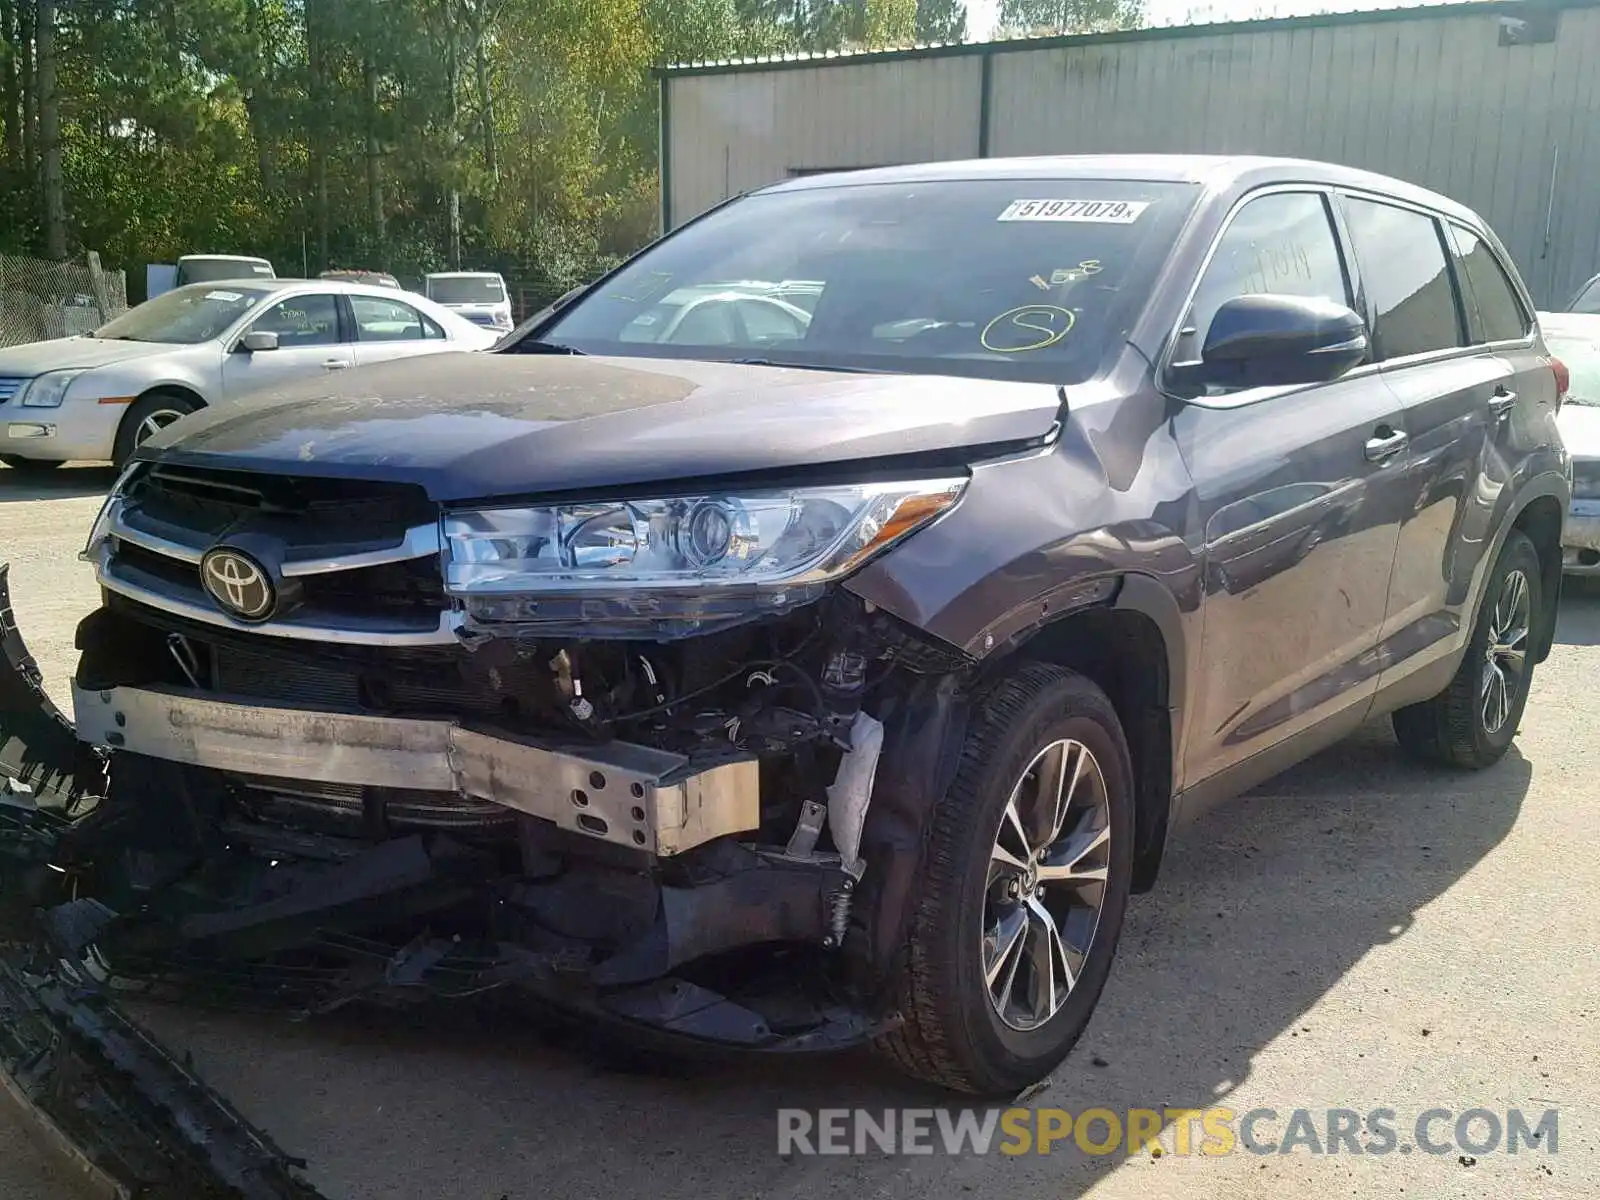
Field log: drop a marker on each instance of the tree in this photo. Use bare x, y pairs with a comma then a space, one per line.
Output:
941, 21
1023, 17
55, 204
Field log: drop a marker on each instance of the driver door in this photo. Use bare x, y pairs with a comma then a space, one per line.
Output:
1296, 490
311, 342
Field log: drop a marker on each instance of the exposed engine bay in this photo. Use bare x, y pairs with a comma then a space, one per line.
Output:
708, 838
668, 837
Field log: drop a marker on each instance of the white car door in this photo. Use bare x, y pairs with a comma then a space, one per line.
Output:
387, 329
309, 343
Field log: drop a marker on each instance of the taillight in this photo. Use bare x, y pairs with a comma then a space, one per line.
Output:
1563, 379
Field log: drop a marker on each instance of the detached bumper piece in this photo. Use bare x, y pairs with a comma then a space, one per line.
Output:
123, 1118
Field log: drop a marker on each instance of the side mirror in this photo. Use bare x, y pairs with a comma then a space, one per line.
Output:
258, 340
1274, 341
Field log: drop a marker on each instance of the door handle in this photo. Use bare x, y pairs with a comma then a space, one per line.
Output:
1385, 443
1502, 402
335, 364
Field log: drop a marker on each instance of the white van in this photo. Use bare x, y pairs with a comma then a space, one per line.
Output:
479, 296
213, 268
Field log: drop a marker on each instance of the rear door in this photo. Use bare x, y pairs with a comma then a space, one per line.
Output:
387, 329
1453, 388
1296, 507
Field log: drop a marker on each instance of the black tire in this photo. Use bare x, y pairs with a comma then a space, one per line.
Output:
30, 466
952, 1034
1454, 728
155, 405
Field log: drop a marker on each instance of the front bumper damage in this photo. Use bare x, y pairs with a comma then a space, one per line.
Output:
183, 842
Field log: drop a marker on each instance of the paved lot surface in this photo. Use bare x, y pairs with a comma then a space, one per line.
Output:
1358, 934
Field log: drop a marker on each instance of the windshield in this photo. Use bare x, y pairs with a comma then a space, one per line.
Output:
467, 289
1588, 300
1582, 357
184, 317
1018, 279
209, 270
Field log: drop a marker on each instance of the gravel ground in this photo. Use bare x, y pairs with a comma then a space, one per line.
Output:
1358, 934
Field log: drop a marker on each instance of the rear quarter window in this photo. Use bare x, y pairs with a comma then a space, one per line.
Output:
1501, 316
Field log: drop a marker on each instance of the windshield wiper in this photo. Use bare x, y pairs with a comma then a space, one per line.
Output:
798, 366
534, 346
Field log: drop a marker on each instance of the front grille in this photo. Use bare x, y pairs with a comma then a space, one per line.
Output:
310, 511
296, 802
411, 589
366, 553
9, 387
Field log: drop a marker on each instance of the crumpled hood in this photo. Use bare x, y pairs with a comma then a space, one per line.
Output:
475, 426
73, 354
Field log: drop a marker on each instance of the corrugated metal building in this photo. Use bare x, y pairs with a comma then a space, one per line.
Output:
1494, 104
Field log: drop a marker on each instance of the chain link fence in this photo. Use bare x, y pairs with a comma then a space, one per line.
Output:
40, 299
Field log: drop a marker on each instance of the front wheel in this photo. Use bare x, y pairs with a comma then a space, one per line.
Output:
148, 417
1026, 880
1472, 722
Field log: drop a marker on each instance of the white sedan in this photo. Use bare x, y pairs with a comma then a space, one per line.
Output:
96, 398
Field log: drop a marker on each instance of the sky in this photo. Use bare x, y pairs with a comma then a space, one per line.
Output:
983, 14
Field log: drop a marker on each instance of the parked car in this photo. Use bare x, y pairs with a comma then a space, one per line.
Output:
1588, 298
479, 296
374, 278
98, 397
794, 693
215, 268
719, 315
1576, 338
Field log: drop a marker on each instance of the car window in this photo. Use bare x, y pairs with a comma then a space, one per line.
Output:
466, 289
1582, 356
380, 320
311, 320
772, 321
1406, 276
1588, 300
1035, 279
1501, 317
1282, 243
708, 323
185, 316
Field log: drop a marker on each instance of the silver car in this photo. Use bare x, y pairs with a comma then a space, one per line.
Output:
1574, 338
96, 398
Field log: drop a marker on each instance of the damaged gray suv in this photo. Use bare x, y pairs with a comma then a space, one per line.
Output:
809, 633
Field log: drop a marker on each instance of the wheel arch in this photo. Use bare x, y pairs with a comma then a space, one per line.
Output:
1132, 647
178, 390
1540, 519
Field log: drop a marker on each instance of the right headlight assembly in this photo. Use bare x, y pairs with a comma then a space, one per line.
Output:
680, 564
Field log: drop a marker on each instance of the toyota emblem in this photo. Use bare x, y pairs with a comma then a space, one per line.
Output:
238, 583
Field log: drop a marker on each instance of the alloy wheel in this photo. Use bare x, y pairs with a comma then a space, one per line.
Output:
1046, 884
1506, 655
154, 423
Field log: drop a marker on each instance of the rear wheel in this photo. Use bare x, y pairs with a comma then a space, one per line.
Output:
29, 466
1472, 722
148, 417
1027, 877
